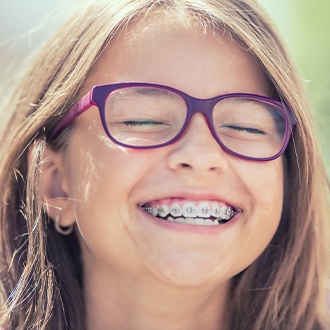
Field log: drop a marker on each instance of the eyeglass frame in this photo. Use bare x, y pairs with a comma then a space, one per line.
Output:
97, 96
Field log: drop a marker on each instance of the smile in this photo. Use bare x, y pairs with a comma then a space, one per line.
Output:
192, 213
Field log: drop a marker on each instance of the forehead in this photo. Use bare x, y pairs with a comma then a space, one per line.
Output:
163, 45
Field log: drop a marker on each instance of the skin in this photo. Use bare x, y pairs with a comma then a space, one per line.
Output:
143, 273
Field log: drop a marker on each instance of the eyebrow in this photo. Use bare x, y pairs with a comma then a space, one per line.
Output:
150, 91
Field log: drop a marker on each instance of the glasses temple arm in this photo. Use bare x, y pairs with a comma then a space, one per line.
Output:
82, 105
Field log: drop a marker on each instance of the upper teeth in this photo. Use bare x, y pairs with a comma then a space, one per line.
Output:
191, 210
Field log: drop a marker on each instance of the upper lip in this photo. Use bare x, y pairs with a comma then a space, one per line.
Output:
191, 195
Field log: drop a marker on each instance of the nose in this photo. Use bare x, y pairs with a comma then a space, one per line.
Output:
197, 150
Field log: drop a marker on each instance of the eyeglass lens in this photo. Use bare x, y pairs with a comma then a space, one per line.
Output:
149, 116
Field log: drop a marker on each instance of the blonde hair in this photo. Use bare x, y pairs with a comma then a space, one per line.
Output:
41, 271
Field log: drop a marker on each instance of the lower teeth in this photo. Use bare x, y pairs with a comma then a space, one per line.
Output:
195, 221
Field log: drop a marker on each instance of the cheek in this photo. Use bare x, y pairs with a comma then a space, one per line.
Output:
96, 165
264, 182
270, 190
263, 186
103, 176
86, 176
97, 188
268, 193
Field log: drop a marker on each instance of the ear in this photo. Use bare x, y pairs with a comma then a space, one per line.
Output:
55, 187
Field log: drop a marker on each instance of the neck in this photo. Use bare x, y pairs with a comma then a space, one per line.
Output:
141, 302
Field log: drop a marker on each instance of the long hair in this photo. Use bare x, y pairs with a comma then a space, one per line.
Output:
41, 271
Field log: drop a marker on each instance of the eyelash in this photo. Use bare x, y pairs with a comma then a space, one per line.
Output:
246, 129
141, 123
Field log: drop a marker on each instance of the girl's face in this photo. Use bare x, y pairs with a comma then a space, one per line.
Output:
108, 184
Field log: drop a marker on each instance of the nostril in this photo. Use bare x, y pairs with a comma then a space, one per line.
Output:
185, 165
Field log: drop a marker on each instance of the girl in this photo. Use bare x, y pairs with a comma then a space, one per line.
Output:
159, 171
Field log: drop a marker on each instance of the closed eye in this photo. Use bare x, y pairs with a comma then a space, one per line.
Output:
249, 130
142, 122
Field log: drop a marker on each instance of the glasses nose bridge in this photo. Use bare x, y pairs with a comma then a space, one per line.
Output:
203, 106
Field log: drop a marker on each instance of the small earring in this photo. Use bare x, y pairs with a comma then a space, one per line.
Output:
67, 231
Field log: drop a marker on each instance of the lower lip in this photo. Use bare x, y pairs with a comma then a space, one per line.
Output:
188, 228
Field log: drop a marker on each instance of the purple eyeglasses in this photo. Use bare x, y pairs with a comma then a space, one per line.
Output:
145, 115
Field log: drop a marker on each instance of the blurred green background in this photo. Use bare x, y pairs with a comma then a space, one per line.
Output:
304, 25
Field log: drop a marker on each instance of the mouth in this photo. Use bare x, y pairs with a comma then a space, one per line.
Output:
204, 213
